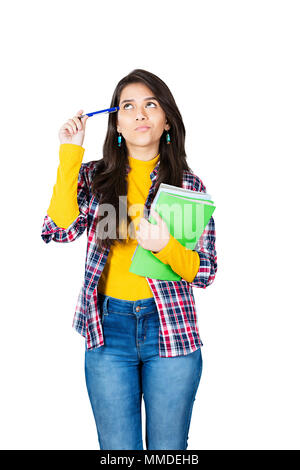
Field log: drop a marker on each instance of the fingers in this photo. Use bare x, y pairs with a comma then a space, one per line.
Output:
84, 119
78, 123
71, 126
75, 124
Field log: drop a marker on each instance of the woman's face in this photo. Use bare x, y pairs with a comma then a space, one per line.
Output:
140, 109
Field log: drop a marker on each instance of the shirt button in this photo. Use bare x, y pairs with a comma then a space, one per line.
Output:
138, 309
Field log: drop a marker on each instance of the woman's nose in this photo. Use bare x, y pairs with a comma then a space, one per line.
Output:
141, 113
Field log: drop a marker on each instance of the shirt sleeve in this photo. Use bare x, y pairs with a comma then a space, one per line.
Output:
206, 249
63, 208
183, 261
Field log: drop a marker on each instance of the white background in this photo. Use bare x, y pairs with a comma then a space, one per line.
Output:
233, 68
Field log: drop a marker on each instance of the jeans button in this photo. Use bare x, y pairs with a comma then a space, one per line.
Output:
138, 309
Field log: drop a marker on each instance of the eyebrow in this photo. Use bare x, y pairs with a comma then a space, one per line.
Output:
148, 98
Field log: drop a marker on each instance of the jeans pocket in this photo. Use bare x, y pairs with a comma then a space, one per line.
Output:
104, 315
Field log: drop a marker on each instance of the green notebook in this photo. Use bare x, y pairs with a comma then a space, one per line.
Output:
186, 213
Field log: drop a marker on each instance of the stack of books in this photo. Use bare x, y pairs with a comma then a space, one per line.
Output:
186, 213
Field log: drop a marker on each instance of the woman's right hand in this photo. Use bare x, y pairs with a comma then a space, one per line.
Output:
72, 131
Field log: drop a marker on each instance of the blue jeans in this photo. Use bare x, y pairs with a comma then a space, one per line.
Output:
127, 366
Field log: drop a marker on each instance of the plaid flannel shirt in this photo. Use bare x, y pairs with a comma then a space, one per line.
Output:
178, 331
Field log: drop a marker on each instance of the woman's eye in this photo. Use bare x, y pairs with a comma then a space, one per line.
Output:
149, 102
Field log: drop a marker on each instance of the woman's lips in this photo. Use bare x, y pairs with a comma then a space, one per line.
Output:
144, 128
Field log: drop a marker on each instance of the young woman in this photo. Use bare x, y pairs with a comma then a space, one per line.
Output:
141, 334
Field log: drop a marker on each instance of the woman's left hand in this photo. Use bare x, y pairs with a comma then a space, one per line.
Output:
153, 237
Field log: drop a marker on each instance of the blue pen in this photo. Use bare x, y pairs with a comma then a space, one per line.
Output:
109, 110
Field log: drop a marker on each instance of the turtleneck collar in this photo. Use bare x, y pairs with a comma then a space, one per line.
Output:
135, 162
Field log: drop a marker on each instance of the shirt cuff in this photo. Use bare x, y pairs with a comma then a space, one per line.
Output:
182, 260
70, 155
163, 254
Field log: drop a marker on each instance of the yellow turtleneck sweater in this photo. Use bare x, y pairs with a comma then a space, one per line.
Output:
116, 280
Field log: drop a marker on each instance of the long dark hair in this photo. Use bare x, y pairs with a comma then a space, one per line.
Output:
109, 180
